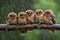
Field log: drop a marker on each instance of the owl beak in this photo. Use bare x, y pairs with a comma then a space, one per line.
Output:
30, 14
12, 17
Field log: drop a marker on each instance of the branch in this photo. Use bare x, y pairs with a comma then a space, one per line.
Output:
54, 27
17, 27
29, 26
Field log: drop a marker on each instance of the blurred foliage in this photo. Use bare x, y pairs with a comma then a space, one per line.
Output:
49, 4
7, 6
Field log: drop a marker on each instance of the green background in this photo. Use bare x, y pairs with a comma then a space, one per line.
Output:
7, 6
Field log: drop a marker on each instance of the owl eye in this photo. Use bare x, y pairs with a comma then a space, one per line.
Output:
27, 13
36, 12
10, 16
40, 12
21, 14
47, 13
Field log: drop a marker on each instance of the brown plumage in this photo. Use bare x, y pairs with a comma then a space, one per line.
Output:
30, 16
38, 16
22, 18
49, 18
12, 18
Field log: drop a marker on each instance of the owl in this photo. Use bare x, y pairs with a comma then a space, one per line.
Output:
11, 18
22, 19
30, 16
49, 18
38, 16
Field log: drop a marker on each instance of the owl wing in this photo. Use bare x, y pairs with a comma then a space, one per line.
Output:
53, 19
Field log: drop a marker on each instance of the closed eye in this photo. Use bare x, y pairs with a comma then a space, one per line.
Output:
40, 12
12, 15
27, 13
21, 14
